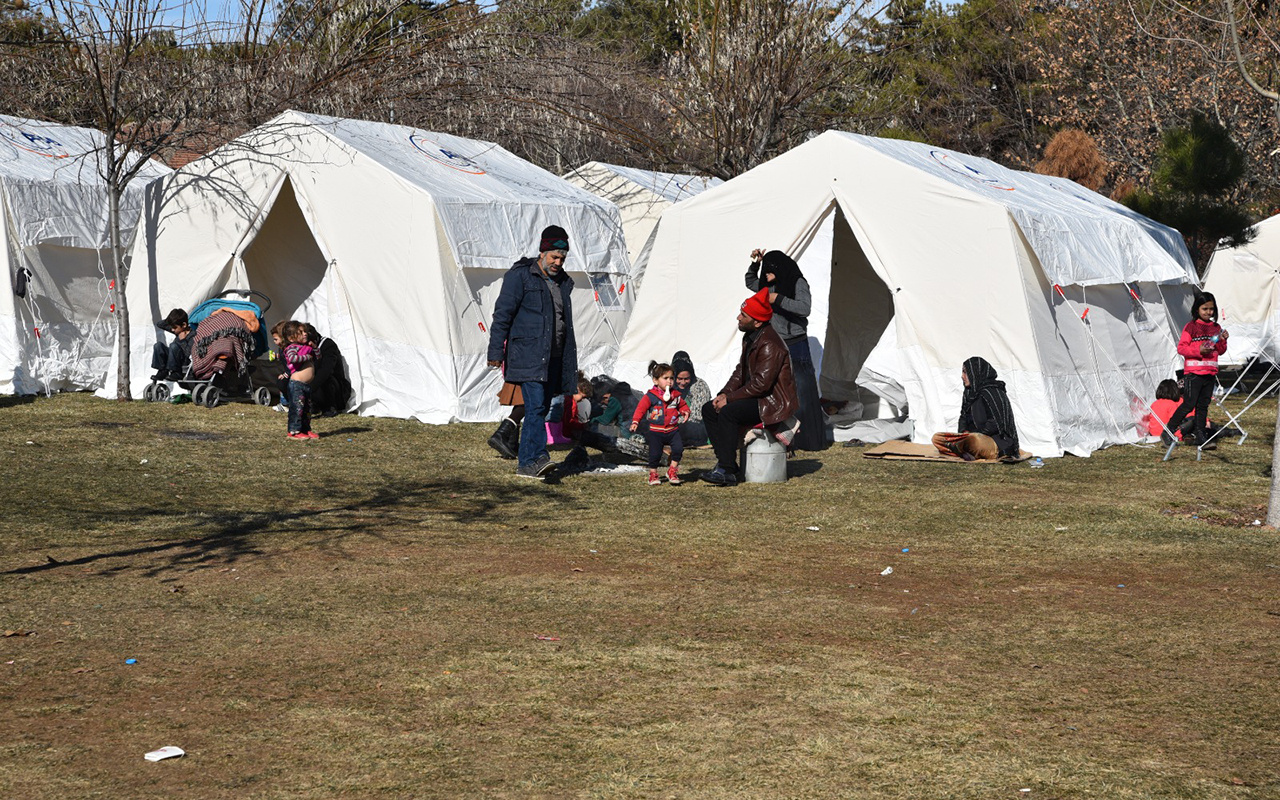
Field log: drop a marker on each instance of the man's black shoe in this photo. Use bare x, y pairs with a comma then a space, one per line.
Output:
720, 477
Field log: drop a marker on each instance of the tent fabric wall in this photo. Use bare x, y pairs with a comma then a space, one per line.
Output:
407, 234
965, 256
1245, 281
640, 195
54, 223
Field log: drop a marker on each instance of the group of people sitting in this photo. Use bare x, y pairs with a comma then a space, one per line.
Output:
311, 379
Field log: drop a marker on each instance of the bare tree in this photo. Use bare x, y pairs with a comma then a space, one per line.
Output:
154, 77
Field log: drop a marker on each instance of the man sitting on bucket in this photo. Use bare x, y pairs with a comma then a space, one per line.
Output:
761, 390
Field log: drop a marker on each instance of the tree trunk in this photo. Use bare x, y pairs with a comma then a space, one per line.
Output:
1273, 502
121, 313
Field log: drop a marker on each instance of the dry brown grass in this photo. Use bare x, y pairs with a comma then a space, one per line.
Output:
357, 617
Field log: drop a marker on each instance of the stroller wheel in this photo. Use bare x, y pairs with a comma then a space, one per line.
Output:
149, 393
197, 394
212, 397
161, 393
262, 396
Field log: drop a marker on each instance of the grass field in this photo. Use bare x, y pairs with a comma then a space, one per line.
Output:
359, 617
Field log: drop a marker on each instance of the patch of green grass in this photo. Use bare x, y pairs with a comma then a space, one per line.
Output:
357, 617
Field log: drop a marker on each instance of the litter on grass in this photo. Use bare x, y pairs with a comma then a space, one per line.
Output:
813, 528
169, 751
887, 571
544, 638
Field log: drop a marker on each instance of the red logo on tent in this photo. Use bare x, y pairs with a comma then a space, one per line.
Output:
34, 143
957, 166
442, 155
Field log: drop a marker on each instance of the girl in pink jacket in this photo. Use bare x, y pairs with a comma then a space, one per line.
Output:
1203, 340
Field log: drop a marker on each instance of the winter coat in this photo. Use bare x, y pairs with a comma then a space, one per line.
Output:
523, 327
764, 372
1195, 334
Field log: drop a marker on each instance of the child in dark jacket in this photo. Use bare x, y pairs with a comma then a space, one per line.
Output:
1202, 341
665, 409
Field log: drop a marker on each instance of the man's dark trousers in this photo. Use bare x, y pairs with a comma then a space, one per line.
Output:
724, 428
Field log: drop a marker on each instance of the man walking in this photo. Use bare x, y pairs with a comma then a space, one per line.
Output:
532, 333
761, 389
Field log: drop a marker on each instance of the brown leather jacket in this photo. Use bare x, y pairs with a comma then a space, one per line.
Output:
764, 371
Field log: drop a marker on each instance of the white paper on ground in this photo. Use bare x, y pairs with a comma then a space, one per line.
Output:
165, 752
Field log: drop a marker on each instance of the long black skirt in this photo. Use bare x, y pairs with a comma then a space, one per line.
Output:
813, 427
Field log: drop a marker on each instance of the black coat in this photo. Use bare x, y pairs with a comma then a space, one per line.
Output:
330, 389
524, 325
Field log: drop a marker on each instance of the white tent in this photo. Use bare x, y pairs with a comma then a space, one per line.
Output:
55, 243
391, 240
1246, 283
958, 256
640, 195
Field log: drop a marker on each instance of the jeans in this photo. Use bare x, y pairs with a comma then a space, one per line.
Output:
537, 397
724, 428
299, 407
170, 357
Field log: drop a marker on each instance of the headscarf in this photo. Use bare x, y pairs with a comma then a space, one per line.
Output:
681, 362
786, 272
983, 384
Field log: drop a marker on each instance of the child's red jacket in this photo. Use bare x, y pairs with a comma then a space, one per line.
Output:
664, 415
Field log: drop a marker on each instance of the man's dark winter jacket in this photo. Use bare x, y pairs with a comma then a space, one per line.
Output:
764, 372
524, 326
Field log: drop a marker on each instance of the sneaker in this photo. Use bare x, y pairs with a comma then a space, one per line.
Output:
311, 435
673, 477
720, 477
298, 437
280, 407
654, 480
1209, 445
537, 469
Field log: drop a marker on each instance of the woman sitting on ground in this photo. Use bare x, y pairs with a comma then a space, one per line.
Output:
986, 430
696, 394
330, 391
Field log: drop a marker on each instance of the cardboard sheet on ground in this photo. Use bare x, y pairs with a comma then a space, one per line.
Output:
913, 451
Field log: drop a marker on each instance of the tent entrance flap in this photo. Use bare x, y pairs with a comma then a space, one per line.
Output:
284, 261
861, 309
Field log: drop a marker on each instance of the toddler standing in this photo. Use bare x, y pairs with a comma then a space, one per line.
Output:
666, 409
300, 360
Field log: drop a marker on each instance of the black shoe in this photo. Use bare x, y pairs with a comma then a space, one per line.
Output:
502, 440
1167, 439
720, 477
1210, 444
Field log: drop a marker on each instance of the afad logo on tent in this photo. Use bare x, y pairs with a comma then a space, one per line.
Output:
33, 142
956, 165
444, 156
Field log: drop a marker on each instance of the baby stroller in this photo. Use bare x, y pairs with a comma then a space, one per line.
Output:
228, 335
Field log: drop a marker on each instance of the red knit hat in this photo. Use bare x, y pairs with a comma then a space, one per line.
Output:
757, 306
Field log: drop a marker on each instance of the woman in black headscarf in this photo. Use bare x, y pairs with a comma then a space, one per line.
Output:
696, 394
986, 429
789, 295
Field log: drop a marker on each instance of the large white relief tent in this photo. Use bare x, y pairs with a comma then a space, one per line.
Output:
1245, 281
926, 257
391, 240
56, 324
641, 195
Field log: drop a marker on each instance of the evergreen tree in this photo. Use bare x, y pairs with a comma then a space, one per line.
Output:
1196, 169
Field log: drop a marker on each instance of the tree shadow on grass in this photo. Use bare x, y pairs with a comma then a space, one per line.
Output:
217, 538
